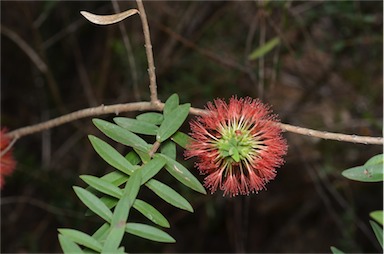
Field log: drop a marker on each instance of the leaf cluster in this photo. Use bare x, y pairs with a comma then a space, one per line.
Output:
371, 171
112, 196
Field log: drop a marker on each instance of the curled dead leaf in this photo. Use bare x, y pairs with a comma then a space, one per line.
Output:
108, 19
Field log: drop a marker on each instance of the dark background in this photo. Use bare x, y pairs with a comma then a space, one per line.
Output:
326, 74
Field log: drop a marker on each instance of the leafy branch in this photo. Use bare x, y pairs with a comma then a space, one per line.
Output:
135, 169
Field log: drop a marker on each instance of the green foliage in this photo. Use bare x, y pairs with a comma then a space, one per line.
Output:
172, 122
336, 250
181, 139
378, 216
149, 232
371, 171
105, 197
378, 232
264, 49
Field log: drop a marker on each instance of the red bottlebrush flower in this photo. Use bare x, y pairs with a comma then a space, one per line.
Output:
237, 145
7, 162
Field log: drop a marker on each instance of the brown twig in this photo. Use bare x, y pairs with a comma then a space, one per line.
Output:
149, 52
144, 106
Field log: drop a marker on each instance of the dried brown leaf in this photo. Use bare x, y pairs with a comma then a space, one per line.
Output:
108, 19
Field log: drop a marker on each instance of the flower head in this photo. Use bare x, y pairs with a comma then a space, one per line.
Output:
237, 145
7, 163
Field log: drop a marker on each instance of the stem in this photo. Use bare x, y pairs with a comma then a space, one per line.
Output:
148, 50
143, 106
154, 148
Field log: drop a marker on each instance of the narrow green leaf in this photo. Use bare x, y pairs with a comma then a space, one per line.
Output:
170, 104
144, 208
151, 117
172, 122
151, 168
264, 49
113, 239
151, 213
121, 135
93, 203
68, 246
378, 216
116, 178
110, 155
182, 174
136, 126
144, 156
109, 201
181, 139
377, 159
378, 232
168, 148
371, 171
101, 233
81, 238
126, 201
133, 158
169, 195
102, 185
149, 232
336, 250
120, 214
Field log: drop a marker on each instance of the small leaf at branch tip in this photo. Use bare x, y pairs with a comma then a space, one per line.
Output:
108, 19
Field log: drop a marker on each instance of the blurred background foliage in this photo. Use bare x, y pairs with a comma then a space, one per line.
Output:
326, 74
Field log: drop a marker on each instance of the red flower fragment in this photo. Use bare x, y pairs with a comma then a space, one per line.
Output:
7, 162
237, 145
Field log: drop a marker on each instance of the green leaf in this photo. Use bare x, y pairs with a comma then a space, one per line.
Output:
172, 122
144, 156
181, 139
371, 171
113, 239
151, 213
120, 214
68, 246
102, 185
136, 126
182, 174
121, 135
121, 250
169, 195
149, 232
377, 159
151, 117
171, 103
168, 148
101, 233
151, 168
264, 49
109, 201
81, 238
133, 158
378, 216
131, 190
336, 250
93, 203
378, 232
116, 178
111, 156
